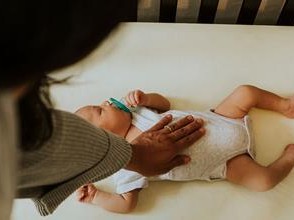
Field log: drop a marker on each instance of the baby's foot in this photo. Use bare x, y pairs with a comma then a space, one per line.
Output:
86, 193
289, 111
289, 153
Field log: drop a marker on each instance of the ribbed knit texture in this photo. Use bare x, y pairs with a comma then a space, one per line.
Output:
8, 153
76, 154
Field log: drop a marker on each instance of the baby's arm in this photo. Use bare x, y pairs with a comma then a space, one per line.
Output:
245, 97
151, 100
120, 203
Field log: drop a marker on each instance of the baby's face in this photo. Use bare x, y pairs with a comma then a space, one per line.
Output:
108, 117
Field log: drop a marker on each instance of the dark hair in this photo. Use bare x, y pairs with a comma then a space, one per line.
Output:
38, 36
35, 119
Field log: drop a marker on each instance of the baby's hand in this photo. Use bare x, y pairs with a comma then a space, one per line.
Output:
135, 98
86, 193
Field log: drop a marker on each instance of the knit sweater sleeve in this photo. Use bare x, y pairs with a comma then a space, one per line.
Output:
76, 154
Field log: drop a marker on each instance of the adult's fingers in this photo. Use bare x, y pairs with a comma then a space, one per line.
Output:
182, 122
183, 129
163, 122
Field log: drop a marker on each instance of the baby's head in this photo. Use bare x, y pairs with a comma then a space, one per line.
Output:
106, 116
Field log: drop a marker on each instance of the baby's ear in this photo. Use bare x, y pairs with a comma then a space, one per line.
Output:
78, 112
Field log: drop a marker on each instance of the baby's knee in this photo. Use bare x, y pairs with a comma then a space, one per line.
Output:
128, 208
245, 95
264, 183
246, 91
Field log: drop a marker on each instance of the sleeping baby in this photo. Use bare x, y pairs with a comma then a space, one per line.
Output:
225, 152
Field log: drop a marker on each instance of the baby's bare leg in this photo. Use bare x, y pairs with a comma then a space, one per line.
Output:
245, 97
244, 171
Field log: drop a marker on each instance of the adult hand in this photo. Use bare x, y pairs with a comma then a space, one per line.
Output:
156, 151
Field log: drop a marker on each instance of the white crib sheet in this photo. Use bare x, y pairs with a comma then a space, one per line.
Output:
196, 66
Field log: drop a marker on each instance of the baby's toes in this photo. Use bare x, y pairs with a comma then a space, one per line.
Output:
291, 109
288, 109
291, 114
289, 152
290, 148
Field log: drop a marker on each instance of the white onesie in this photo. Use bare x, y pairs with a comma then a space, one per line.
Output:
224, 139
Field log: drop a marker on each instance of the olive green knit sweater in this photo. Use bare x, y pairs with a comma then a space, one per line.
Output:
77, 153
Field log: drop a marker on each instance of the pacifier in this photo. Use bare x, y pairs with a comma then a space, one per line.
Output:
121, 105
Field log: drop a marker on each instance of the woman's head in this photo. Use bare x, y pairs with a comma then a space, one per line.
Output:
40, 36
108, 117
37, 37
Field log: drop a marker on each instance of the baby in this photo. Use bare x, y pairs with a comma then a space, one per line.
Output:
226, 151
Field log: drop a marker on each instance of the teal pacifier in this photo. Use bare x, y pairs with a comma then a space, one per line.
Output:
120, 105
